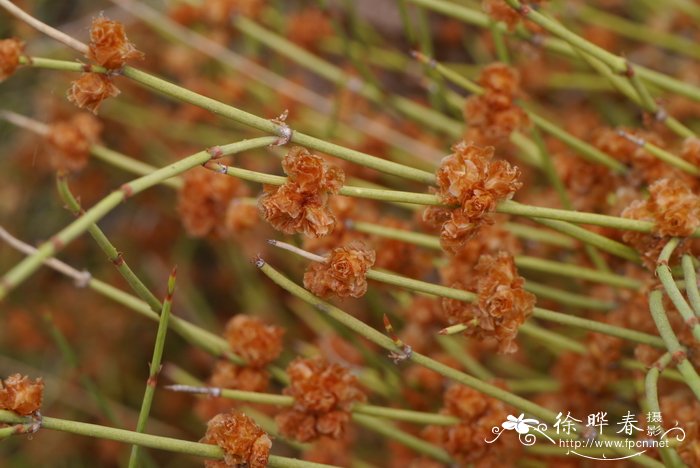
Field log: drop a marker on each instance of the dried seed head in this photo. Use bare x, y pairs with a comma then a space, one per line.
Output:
470, 178
244, 442
253, 340
70, 141
675, 207
109, 45
204, 200
344, 274
465, 441
20, 394
323, 396
301, 204
88, 91
502, 305
10, 52
240, 217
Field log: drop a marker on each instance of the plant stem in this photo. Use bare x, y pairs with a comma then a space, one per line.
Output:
113, 255
671, 341
418, 417
663, 272
691, 283
26, 267
154, 367
652, 399
388, 430
147, 440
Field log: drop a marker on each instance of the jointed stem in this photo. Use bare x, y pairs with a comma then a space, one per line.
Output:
154, 368
25, 268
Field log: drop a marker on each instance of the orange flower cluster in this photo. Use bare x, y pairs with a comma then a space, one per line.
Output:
309, 27
500, 11
492, 116
465, 441
253, 340
88, 91
469, 178
204, 202
10, 51
109, 46
70, 141
674, 209
323, 396
502, 306
20, 394
244, 442
344, 274
301, 204
258, 344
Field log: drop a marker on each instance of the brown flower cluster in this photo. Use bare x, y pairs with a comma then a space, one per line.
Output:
500, 11
253, 340
205, 200
88, 91
109, 46
244, 442
674, 209
70, 141
10, 51
301, 204
502, 305
309, 27
20, 394
492, 116
344, 274
258, 344
323, 396
465, 441
471, 179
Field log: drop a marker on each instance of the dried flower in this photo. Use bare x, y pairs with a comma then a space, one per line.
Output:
20, 394
253, 340
308, 27
10, 52
675, 207
301, 204
109, 45
244, 442
344, 274
88, 91
204, 200
492, 116
502, 305
240, 217
470, 178
70, 141
323, 396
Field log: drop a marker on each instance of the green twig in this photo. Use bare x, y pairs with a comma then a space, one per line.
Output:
154, 367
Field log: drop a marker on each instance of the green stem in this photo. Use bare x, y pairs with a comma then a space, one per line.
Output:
652, 399
146, 440
671, 341
338, 76
245, 118
388, 430
691, 284
30, 264
131, 165
603, 243
154, 368
387, 343
113, 255
418, 417
663, 272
